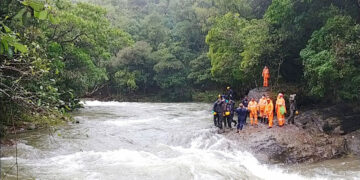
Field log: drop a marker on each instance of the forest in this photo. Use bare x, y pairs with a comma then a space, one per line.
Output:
54, 52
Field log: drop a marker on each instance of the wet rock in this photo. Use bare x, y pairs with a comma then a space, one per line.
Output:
353, 142
31, 126
289, 144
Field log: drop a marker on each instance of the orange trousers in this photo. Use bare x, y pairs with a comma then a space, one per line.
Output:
281, 118
262, 113
266, 82
270, 116
253, 118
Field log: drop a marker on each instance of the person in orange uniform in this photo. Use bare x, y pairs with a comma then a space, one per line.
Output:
269, 111
262, 105
280, 103
253, 108
266, 76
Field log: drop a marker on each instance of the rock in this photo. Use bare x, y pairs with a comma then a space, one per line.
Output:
258, 92
353, 142
318, 134
31, 126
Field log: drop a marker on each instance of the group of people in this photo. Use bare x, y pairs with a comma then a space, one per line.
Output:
224, 109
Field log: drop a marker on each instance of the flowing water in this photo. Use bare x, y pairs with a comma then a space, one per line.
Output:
149, 141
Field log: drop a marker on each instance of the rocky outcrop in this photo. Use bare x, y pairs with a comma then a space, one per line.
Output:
289, 144
318, 134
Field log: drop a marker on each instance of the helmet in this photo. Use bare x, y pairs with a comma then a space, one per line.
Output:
215, 113
297, 112
228, 87
281, 95
227, 113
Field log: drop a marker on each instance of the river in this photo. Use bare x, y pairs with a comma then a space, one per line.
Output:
120, 140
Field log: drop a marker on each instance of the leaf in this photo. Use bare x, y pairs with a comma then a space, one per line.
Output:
43, 14
5, 44
39, 102
1, 48
36, 14
20, 47
10, 53
7, 29
53, 19
20, 14
37, 6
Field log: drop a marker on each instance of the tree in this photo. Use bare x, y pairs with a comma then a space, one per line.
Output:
331, 60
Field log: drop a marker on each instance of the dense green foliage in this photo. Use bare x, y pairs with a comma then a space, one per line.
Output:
54, 52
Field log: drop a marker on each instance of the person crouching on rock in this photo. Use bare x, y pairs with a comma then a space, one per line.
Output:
262, 105
269, 111
242, 114
253, 107
280, 109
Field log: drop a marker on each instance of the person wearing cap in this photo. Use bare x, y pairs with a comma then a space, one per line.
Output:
217, 111
253, 108
242, 112
269, 111
280, 109
266, 76
262, 105
229, 93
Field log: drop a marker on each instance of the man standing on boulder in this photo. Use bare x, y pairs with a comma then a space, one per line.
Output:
229, 93
266, 76
280, 109
253, 107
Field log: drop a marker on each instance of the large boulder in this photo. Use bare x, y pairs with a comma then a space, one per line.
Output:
289, 144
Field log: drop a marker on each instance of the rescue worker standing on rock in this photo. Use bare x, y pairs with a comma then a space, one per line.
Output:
217, 111
266, 76
245, 102
293, 109
269, 111
242, 114
232, 112
230, 93
280, 109
227, 114
253, 108
262, 105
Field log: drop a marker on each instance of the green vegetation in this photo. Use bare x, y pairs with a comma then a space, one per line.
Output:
54, 52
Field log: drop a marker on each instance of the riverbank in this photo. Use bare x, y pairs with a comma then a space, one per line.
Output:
31, 122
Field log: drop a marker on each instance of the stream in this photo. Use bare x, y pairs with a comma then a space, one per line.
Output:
161, 141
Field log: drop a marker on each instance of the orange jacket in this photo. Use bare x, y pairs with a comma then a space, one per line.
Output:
269, 109
266, 73
253, 106
280, 102
262, 104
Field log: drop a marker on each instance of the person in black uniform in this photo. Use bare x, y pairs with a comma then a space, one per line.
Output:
217, 111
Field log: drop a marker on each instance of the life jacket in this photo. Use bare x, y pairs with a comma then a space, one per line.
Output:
262, 104
269, 109
253, 106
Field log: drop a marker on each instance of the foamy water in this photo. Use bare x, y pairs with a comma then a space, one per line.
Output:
149, 141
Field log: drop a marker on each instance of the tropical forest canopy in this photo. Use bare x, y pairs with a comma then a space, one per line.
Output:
54, 52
